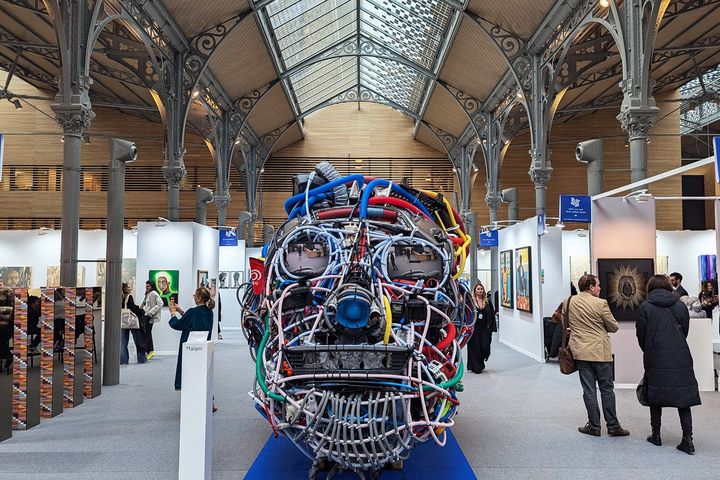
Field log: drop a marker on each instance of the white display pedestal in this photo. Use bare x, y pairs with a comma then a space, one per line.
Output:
196, 408
716, 330
702, 353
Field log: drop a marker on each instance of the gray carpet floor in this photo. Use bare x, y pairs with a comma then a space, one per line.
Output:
518, 421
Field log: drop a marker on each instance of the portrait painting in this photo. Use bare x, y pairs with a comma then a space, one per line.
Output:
236, 279
623, 282
223, 280
53, 276
167, 283
202, 279
506, 279
15, 277
523, 279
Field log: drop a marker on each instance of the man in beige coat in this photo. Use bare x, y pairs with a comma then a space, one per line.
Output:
590, 322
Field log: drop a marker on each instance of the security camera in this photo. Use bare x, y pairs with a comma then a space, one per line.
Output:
122, 150
203, 195
589, 151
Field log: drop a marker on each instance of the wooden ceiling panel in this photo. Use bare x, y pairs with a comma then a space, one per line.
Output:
291, 136
272, 112
474, 64
192, 22
243, 63
444, 112
519, 16
428, 138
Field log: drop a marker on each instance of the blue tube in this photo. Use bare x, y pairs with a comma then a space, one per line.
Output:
395, 188
299, 208
323, 188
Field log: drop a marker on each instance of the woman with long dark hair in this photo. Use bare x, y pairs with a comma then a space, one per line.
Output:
196, 319
708, 298
479, 345
662, 328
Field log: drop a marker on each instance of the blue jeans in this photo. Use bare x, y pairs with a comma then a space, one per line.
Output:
139, 340
593, 375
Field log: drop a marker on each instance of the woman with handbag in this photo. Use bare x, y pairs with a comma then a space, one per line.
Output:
479, 345
130, 308
662, 327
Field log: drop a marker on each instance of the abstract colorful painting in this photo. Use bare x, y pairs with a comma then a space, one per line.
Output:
506, 279
623, 282
523, 279
707, 268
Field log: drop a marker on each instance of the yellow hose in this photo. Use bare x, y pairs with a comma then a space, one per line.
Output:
388, 320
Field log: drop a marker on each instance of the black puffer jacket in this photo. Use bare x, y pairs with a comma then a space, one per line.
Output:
662, 327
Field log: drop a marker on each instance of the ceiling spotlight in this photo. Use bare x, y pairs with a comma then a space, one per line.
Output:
16, 102
604, 3
195, 93
87, 139
428, 179
262, 170
237, 142
519, 95
62, 138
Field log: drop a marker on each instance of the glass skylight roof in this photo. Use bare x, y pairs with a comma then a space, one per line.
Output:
407, 34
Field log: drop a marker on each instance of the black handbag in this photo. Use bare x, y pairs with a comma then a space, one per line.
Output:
641, 392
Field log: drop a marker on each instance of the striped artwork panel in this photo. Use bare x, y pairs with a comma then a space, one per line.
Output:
69, 350
89, 345
20, 366
47, 329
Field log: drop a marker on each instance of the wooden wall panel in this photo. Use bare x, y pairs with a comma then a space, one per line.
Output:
379, 135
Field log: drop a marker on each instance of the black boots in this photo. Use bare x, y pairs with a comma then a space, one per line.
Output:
654, 438
687, 444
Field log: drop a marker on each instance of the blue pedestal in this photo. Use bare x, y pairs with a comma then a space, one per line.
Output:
279, 458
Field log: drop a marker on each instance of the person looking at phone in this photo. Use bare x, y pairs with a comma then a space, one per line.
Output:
196, 319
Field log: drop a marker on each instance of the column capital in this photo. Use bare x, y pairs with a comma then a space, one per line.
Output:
540, 175
74, 119
637, 121
222, 201
174, 174
493, 202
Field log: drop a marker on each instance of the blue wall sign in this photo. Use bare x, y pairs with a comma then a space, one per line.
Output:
489, 238
228, 238
575, 208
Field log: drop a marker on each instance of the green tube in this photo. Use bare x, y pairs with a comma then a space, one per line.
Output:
258, 364
453, 381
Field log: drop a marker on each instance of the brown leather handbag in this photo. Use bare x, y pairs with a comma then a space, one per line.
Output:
565, 355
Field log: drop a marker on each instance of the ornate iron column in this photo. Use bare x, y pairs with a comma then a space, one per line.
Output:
174, 107
74, 27
638, 29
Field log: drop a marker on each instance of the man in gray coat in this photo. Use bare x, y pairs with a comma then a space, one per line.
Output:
590, 322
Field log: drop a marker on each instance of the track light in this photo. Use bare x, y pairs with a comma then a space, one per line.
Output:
604, 3
86, 138
195, 93
16, 102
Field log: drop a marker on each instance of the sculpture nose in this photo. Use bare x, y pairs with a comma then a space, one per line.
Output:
353, 308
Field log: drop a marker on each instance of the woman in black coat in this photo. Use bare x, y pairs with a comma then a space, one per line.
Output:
479, 345
662, 328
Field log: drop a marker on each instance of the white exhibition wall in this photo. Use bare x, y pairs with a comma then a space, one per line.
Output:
553, 288
40, 249
623, 229
183, 246
523, 331
231, 259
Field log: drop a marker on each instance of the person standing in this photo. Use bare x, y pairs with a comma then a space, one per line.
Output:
708, 298
676, 282
152, 304
479, 345
590, 322
196, 319
662, 328
137, 333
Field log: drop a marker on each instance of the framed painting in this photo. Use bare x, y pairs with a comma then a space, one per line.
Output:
202, 279
506, 279
623, 282
167, 284
523, 279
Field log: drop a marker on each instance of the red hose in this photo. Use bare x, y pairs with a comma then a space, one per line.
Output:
396, 202
447, 341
